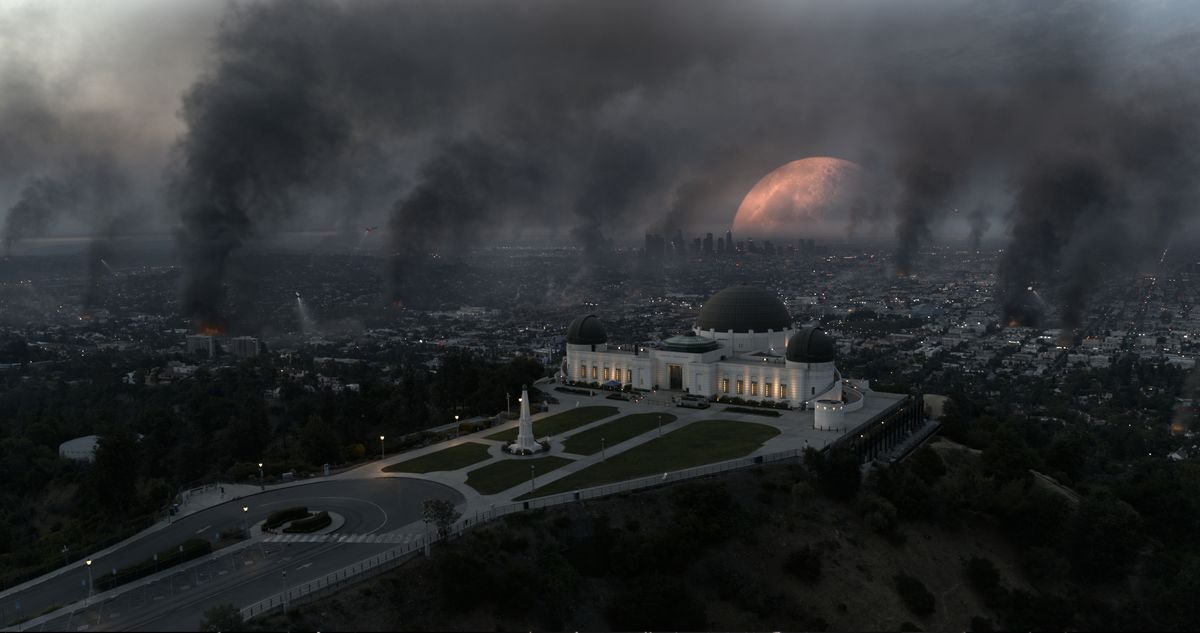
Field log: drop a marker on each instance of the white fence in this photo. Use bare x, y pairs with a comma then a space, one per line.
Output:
362, 570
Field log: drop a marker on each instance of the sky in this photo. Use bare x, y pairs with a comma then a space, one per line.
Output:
1048, 125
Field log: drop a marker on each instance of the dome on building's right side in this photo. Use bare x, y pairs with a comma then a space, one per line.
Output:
810, 345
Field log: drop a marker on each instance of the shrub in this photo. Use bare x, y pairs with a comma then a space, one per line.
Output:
980, 624
804, 563
769, 413
983, 576
313, 523
914, 594
279, 517
188, 550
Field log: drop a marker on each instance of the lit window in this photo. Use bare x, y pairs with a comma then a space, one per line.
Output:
607, 374
724, 385
741, 387
582, 371
767, 393
629, 376
782, 391
595, 372
753, 387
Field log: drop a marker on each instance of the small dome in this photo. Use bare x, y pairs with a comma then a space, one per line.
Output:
586, 330
810, 345
744, 308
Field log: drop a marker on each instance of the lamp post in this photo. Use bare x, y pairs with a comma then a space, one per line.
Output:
507, 406
603, 457
261, 485
532, 482
245, 509
89, 594
285, 596
380, 447
65, 549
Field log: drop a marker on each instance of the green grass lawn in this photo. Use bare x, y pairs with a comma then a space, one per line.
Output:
451, 458
559, 422
615, 432
502, 475
696, 444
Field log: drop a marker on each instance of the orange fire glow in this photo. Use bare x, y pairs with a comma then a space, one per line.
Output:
86, 316
1013, 322
210, 330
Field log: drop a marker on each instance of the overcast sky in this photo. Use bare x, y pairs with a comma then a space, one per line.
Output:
687, 104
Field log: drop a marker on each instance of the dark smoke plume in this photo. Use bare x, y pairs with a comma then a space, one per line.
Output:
607, 119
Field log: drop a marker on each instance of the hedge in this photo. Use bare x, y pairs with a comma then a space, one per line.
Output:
766, 412
280, 517
311, 524
188, 550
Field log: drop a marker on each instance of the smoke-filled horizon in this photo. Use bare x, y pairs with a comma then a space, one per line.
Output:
1066, 126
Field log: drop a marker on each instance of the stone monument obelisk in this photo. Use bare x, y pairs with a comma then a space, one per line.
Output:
525, 443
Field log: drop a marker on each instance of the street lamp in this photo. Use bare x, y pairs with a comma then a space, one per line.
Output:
65, 549
660, 425
381, 447
285, 596
89, 595
532, 483
261, 485
603, 457
245, 509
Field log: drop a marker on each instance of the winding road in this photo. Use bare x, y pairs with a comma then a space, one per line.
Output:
244, 573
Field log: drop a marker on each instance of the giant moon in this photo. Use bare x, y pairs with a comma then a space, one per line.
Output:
807, 198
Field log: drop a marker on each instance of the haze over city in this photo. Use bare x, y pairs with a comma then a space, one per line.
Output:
256, 255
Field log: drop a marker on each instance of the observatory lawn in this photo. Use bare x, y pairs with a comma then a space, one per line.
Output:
502, 475
612, 433
559, 423
451, 458
696, 444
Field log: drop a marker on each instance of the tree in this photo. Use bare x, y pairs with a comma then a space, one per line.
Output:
914, 594
441, 513
319, 442
1105, 538
837, 472
223, 617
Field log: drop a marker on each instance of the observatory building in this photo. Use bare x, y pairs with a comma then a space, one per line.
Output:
743, 345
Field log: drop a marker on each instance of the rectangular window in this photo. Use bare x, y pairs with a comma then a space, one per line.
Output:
595, 372
814, 391
782, 391
753, 387
767, 393
724, 385
741, 387
607, 374
582, 371
629, 376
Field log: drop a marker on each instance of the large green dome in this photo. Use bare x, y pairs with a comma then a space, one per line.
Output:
744, 308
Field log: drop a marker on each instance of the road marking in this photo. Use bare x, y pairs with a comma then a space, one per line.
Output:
303, 566
203, 529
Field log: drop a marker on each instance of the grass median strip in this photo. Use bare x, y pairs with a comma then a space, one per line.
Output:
589, 442
502, 475
451, 458
696, 444
559, 423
